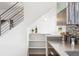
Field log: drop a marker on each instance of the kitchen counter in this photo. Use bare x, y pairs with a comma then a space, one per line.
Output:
61, 46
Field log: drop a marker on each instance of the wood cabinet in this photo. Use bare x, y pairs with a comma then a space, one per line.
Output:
61, 13
69, 15
73, 13
61, 17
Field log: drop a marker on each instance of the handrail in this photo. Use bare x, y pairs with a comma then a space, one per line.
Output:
5, 15
17, 19
9, 8
11, 21
17, 22
16, 13
12, 9
10, 14
17, 16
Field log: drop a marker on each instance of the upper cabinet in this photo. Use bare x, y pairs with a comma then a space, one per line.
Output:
73, 13
61, 13
68, 13
61, 17
61, 6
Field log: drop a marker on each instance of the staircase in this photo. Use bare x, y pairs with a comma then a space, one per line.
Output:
11, 17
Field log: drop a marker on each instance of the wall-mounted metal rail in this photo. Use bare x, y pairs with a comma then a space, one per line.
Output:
11, 17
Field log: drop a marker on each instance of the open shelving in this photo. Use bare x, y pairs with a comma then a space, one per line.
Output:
37, 45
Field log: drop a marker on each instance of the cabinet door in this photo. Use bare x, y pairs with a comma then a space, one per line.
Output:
61, 13
76, 12
71, 13
61, 17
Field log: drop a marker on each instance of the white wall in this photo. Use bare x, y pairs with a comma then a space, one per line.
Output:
47, 23
34, 10
14, 42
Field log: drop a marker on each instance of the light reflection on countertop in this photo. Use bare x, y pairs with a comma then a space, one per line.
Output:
61, 46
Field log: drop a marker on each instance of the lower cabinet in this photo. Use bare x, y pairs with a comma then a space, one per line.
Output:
37, 52
37, 45
51, 51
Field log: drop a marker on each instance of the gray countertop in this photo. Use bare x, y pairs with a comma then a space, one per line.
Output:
61, 46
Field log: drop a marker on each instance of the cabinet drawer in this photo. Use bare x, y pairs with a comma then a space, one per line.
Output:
37, 44
37, 52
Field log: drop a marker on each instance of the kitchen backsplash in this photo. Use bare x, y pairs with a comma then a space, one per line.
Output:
72, 29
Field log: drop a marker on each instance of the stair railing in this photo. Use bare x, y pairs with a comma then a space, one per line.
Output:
12, 15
